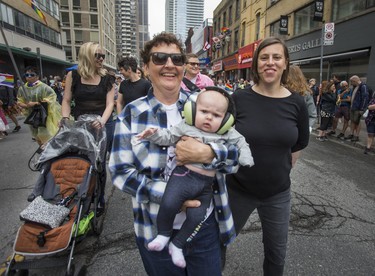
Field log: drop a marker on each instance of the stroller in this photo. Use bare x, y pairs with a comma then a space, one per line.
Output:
69, 180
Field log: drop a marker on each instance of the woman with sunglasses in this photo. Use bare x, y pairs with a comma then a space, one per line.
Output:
142, 169
92, 90
38, 93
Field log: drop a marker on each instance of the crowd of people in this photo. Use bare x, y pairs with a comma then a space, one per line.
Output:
170, 127
337, 100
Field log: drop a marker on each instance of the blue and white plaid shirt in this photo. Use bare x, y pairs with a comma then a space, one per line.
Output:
138, 168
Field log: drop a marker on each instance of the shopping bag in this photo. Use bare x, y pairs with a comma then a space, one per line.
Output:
38, 116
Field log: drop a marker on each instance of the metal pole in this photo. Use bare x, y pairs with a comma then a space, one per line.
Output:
40, 62
23, 90
321, 55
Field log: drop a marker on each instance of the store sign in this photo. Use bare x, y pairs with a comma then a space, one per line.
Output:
304, 46
283, 25
318, 13
217, 66
329, 33
245, 55
231, 63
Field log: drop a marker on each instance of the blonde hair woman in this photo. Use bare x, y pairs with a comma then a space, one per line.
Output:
92, 90
296, 82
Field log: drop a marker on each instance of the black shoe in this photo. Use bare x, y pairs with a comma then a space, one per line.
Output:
16, 129
31, 197
349, 137
355, 139
332, 132
367, 150
5, 133
341, 135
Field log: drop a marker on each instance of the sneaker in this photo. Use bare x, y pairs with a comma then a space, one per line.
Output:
325, 138
332, 132
321, 139
355, 139
349, 137
16, 129
341, 135
367, 150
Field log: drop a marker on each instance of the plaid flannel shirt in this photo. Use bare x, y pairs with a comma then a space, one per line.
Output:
137, 168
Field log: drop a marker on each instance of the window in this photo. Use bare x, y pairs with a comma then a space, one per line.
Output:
257, 26
94, 36
64, 4
77, 19
243, 33
244, 4
78, 36
76, 5
344, 8
235, 46
6, 14
65, 18
224, 19
93, 5
237, 8
303, 20
230, 19
94, 21
274, 28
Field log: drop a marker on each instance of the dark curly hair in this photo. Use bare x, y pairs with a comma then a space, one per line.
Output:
162, 38
128, 62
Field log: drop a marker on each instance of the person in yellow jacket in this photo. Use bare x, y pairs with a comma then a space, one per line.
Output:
38, 92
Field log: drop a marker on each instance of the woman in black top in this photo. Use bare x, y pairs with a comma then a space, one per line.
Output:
93, 92
275, 123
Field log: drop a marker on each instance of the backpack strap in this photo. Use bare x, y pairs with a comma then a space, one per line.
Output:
192, 87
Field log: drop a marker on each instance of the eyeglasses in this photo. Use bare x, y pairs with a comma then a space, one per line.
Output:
162, 58
30, 75
98, 56
193, 63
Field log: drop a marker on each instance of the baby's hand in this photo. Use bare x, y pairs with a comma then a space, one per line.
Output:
146, 133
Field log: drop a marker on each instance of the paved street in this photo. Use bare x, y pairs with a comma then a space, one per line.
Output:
332, 230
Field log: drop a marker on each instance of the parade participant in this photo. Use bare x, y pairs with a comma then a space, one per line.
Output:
143, 169
193, 79
93, 92
275, 123
38, 93
133, 87
208, 120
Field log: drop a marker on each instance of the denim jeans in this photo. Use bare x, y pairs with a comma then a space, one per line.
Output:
274, 214
184, 184
202, 254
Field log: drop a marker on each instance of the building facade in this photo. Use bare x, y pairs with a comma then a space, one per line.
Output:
352, 50
32, 40
181, 15
350, 53
90, 20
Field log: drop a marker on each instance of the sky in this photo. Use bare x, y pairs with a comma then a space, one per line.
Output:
156, 14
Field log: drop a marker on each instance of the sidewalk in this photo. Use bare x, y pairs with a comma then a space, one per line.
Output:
362, 135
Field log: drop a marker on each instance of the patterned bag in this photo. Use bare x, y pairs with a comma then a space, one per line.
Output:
43, 212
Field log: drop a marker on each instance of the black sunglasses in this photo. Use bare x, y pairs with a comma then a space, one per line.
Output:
193, 63
98, 56
162, 58
30, 75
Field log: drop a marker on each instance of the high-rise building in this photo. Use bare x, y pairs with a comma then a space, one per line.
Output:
84, 21
181, 15
131, 27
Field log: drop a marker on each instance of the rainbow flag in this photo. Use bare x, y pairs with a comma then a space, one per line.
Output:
228, 87
34, 6
6, 80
